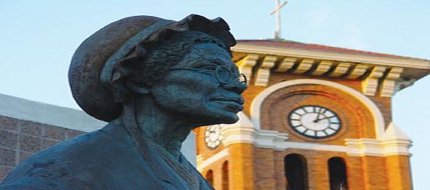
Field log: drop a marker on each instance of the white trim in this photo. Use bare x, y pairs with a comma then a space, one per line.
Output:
237, 134
315, 146
278, 141
374, 147
354, 147
397, 147
324, 55
234, 134
202, 164
29, 110
240, 132
258, 101
270, 139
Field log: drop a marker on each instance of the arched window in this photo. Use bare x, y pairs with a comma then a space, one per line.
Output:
225, 176
337, 171
296, 172
210, 177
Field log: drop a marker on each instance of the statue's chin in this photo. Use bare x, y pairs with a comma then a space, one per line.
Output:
227, 119
232, 120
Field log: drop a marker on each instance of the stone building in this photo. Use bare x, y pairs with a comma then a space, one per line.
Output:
27, 127
315, 117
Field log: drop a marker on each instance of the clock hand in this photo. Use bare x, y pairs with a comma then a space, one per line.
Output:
318, 116
322, 118
325, 117
320, 112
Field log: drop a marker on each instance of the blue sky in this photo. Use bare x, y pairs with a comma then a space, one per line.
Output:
38, 38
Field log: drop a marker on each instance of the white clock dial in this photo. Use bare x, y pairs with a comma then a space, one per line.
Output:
213, 136
314, 121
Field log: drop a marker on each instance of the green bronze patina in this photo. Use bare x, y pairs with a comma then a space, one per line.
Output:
153, 80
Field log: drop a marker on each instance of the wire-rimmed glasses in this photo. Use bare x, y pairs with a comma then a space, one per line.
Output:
223, 74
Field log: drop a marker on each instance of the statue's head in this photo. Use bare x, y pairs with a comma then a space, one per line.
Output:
184, 66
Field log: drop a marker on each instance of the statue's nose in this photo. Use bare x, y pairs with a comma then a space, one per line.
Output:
235, 86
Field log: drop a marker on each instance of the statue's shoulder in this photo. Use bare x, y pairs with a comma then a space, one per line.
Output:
76, 161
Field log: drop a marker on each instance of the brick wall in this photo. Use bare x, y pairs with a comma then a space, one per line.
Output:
20, 139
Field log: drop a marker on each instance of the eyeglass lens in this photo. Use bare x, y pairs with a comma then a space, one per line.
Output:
225, 75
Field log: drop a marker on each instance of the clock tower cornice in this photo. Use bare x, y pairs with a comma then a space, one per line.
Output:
380, 74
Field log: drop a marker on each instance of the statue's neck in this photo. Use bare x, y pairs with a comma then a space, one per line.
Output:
163, 128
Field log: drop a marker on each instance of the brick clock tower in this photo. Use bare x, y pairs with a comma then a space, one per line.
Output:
315, 117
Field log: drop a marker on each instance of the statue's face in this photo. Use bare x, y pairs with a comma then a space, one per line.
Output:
204, 86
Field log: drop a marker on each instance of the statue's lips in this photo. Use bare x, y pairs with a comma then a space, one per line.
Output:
235, 104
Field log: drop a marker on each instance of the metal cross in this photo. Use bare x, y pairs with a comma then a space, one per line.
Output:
277, 10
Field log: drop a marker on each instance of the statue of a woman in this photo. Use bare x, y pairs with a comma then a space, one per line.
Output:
153, 80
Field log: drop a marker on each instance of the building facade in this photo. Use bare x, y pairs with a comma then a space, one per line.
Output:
27, 127
315, 117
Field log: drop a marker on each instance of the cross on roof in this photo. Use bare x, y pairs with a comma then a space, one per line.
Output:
277, 11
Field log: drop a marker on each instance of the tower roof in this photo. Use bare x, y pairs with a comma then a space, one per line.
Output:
318, 47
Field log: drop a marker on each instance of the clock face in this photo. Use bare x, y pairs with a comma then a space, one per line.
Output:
213, 136
314, 121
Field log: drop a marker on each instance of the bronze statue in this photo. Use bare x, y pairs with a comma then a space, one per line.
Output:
153, 80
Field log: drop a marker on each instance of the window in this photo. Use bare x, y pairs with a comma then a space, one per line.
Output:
296, 172
337, 171
225, 176
210, 177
